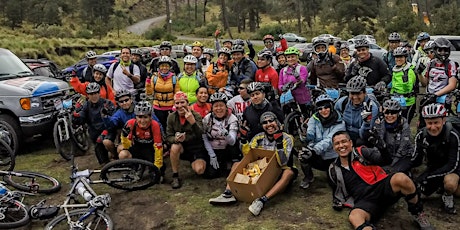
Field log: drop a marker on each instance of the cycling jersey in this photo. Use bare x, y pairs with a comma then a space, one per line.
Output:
237, 104
419, 53
217, 75
267, 74
189, 84
372, 68
219, 133
437, 76
132, 135
105, 92
403, 82
203, 110
91, 114
283, 156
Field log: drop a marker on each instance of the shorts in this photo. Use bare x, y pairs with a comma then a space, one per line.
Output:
143, 151
111, 136
296, 174
429, 186
225, 157
379, 197
193, 152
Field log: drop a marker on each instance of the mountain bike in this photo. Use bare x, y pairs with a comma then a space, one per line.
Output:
66, 134
7, 156
295, 120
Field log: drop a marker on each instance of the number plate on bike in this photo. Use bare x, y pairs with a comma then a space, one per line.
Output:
58, 104
67, 103
286, 98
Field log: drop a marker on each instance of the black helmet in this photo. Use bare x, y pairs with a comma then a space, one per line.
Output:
238, 42
237, 48
361, 43
394, 37
356, 84
166, 44
255, 86
441, 43
218, 96
400, 51
93, 87
319, 42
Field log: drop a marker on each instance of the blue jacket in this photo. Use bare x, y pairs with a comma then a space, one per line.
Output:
121, 116
320, 138
352, 115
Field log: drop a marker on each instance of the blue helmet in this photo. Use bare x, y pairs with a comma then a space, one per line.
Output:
423, 36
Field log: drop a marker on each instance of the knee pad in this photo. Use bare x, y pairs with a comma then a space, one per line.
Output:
416, 208
365, 224
411, 196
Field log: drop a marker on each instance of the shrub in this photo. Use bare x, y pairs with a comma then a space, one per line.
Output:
169, 37
84, 33
206, 31
269, 29
154, 34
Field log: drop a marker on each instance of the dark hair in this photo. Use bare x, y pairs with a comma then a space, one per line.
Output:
341, 133
121, 50
201, 86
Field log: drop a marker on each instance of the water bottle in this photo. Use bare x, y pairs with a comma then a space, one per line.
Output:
83, 191
3, 189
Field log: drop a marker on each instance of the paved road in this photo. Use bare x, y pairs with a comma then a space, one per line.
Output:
142, 26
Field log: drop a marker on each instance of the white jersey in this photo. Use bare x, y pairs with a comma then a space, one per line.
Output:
217, 131
238, 105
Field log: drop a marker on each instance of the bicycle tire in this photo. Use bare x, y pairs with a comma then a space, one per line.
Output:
60, 222
7, 157
130, 174
65, 148
81, 139
46, 184
15, 215
289, 123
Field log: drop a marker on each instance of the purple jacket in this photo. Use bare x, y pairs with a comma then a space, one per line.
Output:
301, 94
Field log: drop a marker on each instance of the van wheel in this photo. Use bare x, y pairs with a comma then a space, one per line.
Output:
10, 132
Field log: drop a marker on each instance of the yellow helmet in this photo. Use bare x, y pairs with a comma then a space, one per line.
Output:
197, 43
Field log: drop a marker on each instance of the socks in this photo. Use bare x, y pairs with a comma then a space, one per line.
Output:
175, 175
228, 192
264, 199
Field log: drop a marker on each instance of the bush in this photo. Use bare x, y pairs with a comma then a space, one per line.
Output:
270, 29
206, 31
154, 34
169, 37
84, 33
53, 31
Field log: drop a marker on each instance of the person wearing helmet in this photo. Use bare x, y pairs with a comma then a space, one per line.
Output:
99, 73
86, 75
209, 54
441, 72
394, 40
280, 60
165, 50
197, 51
269, 43
162, 86
424, 61
220, 129
239, 102
136, 58
141, 136
404, 83
318, 152
373, 69
296, 75
185, 135
327, 68
344, 53
249, 125
218, 72
266, 73
394, 132
190, 79
359, 183
438, 143
91, 114
123, 74
358, 109
242, 68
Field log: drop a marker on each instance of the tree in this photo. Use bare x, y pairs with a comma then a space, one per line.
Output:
14, 13
225, 19
168, 17
444, 19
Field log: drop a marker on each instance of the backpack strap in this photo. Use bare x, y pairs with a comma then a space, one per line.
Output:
114, 67
174, 79
344, 104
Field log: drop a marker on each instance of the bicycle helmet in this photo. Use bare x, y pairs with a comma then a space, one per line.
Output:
122, 93
391, 104
400, 51
143, 108
165, 44
136, 51
227, 40
361, 43
164, 59
208, 51
268, 37
423, 36
269, 116
344, 46
279, 53
291, 50
237, 48
319, 42
255, 86
190, 59
394, 37
434, 110
323, 98
238, 42
218, 96
93, 87
441, 43
267, 54
197, 44
428, 46
356, 84
224, 50
90, 54
100, 67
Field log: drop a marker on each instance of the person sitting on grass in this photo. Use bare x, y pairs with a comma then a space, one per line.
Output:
360, 184
272, 138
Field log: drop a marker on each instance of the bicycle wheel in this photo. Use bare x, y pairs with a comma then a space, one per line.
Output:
96, 220
41, 183
13, 214
292, 122
80, 136
130, 174
7, 157
64, 146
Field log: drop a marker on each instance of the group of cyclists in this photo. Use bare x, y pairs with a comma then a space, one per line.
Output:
212, 111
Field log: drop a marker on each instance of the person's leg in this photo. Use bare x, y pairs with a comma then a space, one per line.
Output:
124, 154
199, 166
110, 146
450, 187
226, 197
176, 150
359, 219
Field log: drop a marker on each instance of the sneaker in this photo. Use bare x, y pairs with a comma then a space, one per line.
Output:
422, 221
222, 199
176, 183
256, 207
306, 183
448, 201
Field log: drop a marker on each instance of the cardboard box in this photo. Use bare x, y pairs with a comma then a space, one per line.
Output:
249, 192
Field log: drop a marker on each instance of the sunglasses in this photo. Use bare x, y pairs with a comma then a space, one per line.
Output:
268, 42
164, 49
391, 112
323, 107
93, 93
267, 121
123, 101
142, 116
355, 93
361, 50
242, 88
445, 50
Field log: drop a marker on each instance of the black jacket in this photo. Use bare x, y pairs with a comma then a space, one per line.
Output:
374, 69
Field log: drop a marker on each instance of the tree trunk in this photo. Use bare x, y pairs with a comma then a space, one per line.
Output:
252, 21
204, 11
299, 17
189, 7
196, 13
168, 17
224, 18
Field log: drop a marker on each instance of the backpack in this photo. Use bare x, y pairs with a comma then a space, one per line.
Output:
131, 67
345, 102
296, 72
197, 76
174, 81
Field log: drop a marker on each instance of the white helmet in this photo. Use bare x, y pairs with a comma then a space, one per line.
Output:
190, 59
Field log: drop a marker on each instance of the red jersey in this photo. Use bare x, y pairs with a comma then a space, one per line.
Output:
202, 110
268, 74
